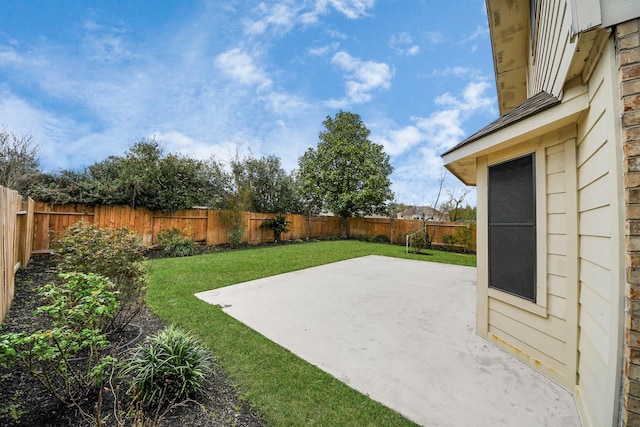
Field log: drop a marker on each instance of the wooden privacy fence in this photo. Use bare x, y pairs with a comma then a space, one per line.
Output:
16, 225
205, 225
30, 227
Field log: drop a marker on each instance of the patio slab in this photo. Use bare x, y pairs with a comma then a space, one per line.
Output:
403, 333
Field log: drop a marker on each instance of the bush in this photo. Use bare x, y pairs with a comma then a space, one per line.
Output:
167, 368
464, 237
67, 359
381, 238
175, 244
420, 241
449, 241
115, 254
276, 224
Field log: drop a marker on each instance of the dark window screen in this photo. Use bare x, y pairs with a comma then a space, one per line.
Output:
512, 227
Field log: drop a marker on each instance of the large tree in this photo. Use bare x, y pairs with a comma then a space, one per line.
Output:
347, 170
268, 187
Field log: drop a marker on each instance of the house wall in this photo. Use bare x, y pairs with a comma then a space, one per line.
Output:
553, 50
600, 249
541, 334
628, 56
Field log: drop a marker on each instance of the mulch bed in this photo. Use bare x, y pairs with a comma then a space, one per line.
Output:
21, 394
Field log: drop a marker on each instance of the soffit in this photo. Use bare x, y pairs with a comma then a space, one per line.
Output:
509, 29
538, 115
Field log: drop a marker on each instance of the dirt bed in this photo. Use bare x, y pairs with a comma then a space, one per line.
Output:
23, 402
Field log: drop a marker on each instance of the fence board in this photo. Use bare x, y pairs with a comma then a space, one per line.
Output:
203, 225
10, 255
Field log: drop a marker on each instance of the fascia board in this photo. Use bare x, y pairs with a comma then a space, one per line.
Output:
539, 124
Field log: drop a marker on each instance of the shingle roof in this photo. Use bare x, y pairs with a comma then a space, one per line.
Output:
528, 108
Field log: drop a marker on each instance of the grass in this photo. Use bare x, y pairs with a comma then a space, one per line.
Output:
285, 389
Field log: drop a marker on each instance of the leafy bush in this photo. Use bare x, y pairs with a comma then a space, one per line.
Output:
449, 240
420, 241
464, 237
276, 224
116, 254
381, 238
79, 307
167, 368
175, 244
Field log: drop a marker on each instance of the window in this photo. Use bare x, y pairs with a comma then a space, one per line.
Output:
512, 227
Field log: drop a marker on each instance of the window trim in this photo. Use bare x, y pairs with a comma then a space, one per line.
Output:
540, 306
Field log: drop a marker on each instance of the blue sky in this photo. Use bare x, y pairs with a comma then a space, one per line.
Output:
89, 78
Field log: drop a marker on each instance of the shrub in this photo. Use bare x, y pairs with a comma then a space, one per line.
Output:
175, 244
67, 359
116, 254
276, 224
464, 237
449, 241
167, 368
381, 238
420, 240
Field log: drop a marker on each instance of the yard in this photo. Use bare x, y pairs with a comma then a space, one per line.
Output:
281, 387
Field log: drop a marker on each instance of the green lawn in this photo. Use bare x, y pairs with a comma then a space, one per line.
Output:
286, 390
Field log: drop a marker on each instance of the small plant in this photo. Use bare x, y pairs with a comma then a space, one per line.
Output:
67, 359
175, 244
13, 410
420, 241
381, 238
277, 224
449, 241
464, 237
116, 254
167, 368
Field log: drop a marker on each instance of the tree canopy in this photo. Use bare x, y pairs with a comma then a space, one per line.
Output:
348, 174
18, 159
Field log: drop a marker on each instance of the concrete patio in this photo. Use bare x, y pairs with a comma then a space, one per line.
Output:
401, 332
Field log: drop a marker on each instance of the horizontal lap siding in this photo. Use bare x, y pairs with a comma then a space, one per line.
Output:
599, 256
542, 341
553, 49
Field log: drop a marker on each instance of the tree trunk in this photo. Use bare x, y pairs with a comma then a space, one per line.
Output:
343, 234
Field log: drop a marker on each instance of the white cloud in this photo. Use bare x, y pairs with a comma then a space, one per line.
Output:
240, 66
434, 37
363, 77
283, 103
280, 16
322, 50
403, 44
352, 9
400, 140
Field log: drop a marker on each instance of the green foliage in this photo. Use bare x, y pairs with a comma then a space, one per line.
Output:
18, 159
143, 177
464, 237
420, 240
232, 217
116, 254
78, 307
276, 224
167, 368
381, 238
347, 171
449, 241
269, 188
175, 244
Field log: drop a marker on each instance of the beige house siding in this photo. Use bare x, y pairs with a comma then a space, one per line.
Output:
543, 335
600, 250
553, 50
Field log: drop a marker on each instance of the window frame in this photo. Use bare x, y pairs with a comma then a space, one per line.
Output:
539, 306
